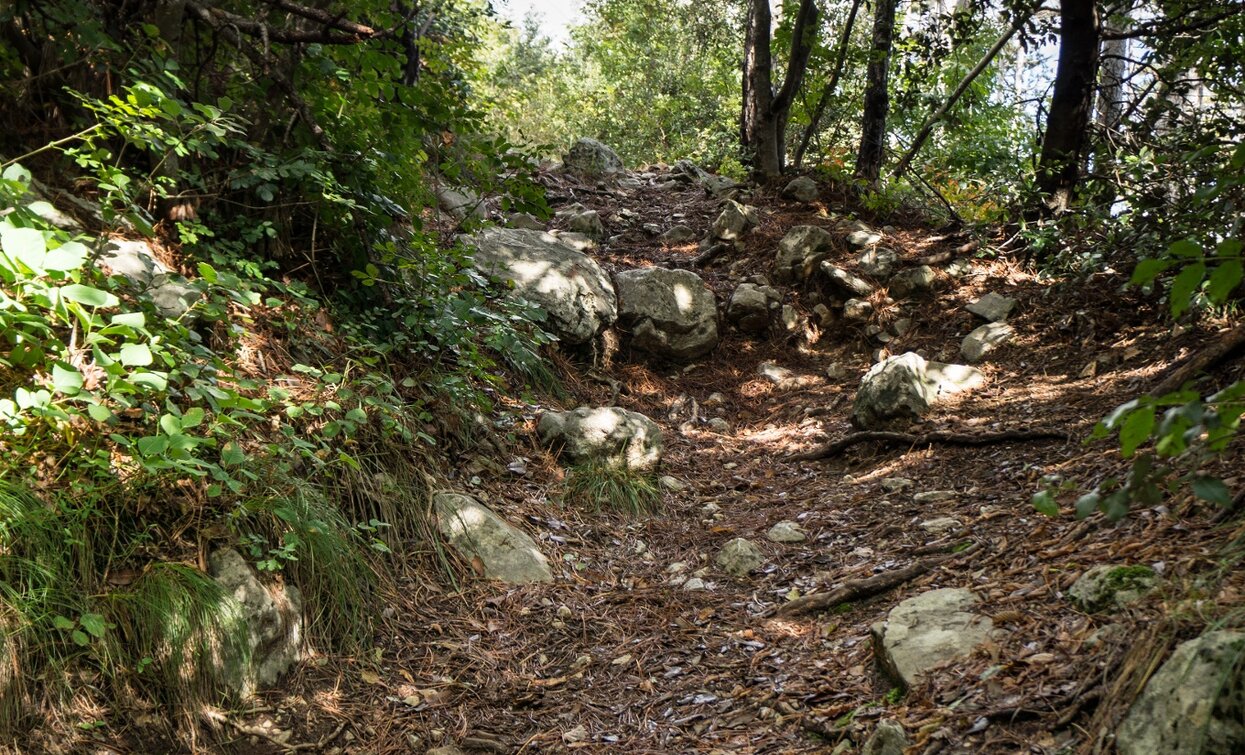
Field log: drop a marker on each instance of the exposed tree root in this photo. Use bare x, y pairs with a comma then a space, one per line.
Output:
870, 586
1202, 360
939, 436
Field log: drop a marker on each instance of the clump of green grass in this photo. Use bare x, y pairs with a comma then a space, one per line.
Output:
607, 486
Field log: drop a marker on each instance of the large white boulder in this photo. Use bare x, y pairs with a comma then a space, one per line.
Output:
906, 387
604, 434
926, 630
670, 313
589, 157
273, 616
569, 286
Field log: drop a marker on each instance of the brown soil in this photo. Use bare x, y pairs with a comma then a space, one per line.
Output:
610, 657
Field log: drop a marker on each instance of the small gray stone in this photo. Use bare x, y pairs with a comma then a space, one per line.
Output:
877, 263
751, 307
786, 531
916, 280
896, 484
740, 556
694, 584
985, 339
992, 307
790, 317
888, 738
857, 309
734, 220
836, 371
800, 251
943, 525
824, 316
863, 237
926, 630
460, 202
844, 280
719, 425
906, 387
588, 223
473, 530
802, 189
934, 496
677, 234
673, 484
526, 221
774, 373
901, 326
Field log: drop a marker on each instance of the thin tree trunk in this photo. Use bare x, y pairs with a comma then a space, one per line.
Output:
877, 99
1068, 123
927, 127
765, 113
831, 85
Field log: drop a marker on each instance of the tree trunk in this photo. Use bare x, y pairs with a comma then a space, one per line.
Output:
877, 99
1067, 125
831, 85
763, 121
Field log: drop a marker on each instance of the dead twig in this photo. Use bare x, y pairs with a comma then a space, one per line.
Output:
939, 436
870, 586
1202, 360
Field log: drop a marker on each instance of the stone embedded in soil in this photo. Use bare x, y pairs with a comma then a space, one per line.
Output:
570, 287
734, 221
943, 525
677, 234
670, 313
774, 373
695, 584
740, 556
848, 283
934, 496
906, 387
888, 738
526, 221
752, 307
606, 434
983, 340
673, 484
1104, 587
1194, 703
913, 281
589, 157
992, 307
786, 531
274, 622
857, 309
877, 263
504, 552
926, 630
719, 425
863, 237
801, 189
800, 252
896, 484
588, 223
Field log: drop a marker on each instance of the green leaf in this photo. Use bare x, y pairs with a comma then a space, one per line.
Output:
1223, 280
170, 424
16, 172
153, 380
66, 257
192, 417
153, 445
232, 455
66, 379
207, 272
130, 319
1186, 282
1136, 430
357, 415
1187, 248
60, 622
1212, 489
26, 245
1147, 270
99, 412
93, 623
92, 297
80, 638
1045, 503
1087, 504
135, 355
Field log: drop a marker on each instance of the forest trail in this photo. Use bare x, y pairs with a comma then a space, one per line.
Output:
643, 643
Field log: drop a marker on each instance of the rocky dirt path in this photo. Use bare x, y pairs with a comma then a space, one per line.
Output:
644, 643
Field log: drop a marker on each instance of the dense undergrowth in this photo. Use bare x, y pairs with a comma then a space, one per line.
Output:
329, 350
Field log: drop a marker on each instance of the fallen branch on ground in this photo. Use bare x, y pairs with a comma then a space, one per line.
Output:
1203, 360
938, 436
870, 586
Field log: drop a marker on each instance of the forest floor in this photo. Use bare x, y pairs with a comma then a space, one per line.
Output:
611, 656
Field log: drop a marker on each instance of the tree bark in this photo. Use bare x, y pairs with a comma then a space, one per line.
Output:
1067, 126
763, 121
831, 85
877, 99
